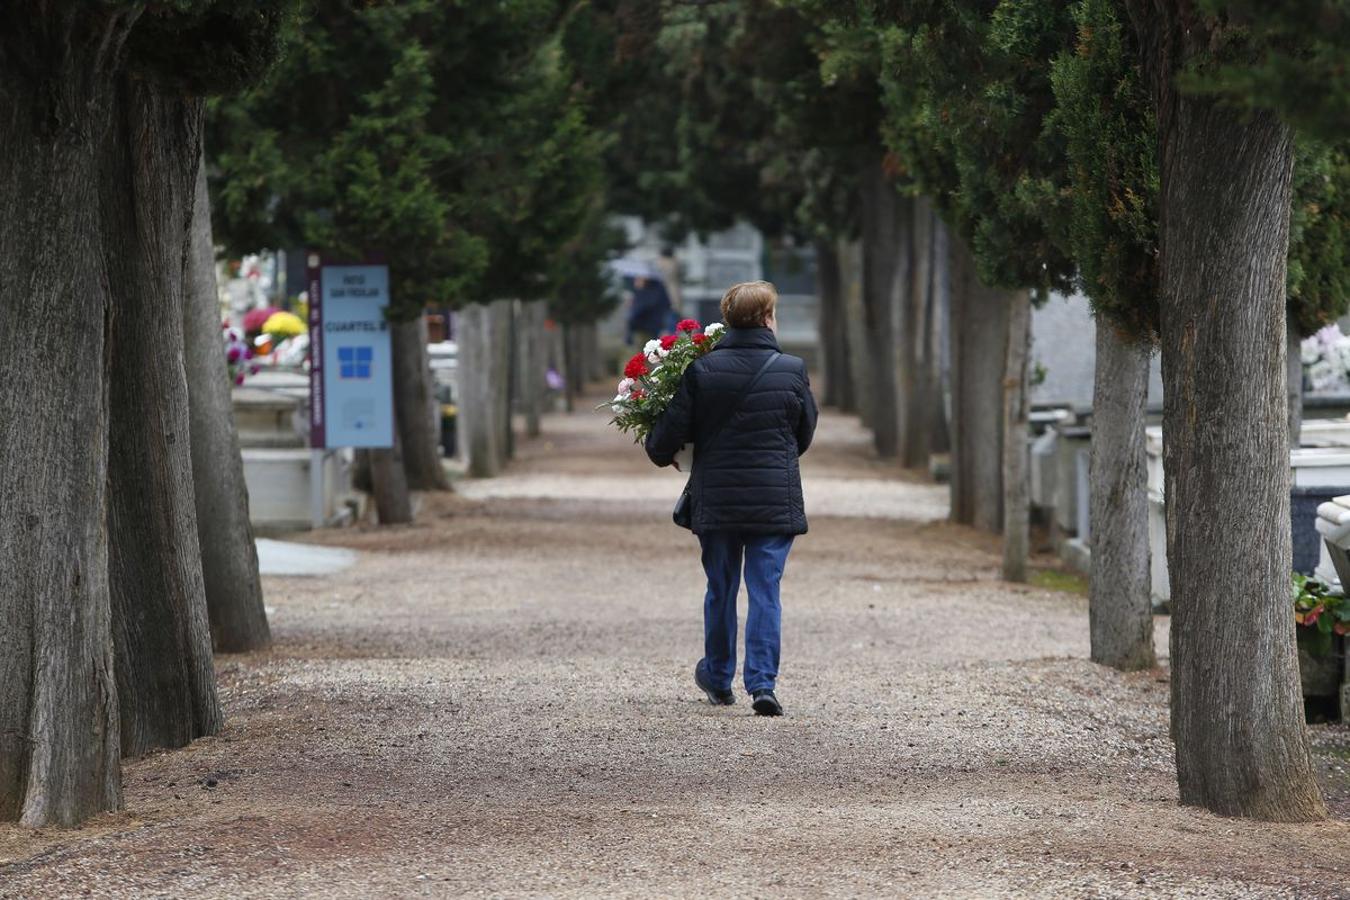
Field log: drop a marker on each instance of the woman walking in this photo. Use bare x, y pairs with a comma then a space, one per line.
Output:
747, 410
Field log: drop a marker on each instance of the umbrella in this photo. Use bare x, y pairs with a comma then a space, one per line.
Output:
627, 267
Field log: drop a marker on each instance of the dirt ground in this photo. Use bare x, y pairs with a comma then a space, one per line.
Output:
497, 701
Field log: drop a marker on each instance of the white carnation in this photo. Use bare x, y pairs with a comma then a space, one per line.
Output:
714, 329
651, 347
617, 407
626, 387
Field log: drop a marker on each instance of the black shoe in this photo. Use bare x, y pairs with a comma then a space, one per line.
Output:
766, 704
715, 697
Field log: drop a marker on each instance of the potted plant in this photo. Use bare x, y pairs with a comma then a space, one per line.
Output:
1323, 621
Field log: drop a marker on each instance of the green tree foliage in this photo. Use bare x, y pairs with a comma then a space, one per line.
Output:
718, 112
1107, 119
445, 138
547, 184
1110, 184
1289, 57
967, 91
1319, 236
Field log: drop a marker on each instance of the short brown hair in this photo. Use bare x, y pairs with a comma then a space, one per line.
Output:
749, 304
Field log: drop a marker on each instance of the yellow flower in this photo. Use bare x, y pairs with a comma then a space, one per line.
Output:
283, 325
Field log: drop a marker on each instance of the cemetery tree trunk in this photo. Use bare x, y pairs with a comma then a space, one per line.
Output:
234, 600
484, 376
533, 363
389, 483
1120, 605
165, 677
916, 388
833, 328
979, 339
886, 219
1237, 712
595, 369
509, 397
854, 311
938, 320
569, 370
414, 403
1016, 504
1294, 384
58, 698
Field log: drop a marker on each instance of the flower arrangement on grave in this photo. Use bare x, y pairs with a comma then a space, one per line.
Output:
1326, 359
239, 357
255, 319
652, 376
1319, 614
283, 325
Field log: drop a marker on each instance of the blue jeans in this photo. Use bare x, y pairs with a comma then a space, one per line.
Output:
764, 557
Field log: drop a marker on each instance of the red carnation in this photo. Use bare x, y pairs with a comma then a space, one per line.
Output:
638, 394
637, 367
699, 338
688, 325
668, 341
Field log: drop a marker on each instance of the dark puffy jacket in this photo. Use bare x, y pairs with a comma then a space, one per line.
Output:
748, 480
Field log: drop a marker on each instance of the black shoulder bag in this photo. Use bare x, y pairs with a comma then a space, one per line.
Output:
683, 515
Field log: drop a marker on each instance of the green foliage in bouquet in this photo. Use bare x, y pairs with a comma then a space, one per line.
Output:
1319, 614
653, 375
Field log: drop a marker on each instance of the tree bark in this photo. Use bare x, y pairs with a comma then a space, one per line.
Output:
849, 254
234, 600
533, 359
484, 372
165, 677
1120, 605
510, 369
59, 740
389, 484
569, 368
414, 402
936, 357
1016, 505
1294, 385
833, 328
886, 219
979, 340
595, 369
1237, 712
916, 388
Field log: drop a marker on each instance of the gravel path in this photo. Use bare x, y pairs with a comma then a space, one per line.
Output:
497, 701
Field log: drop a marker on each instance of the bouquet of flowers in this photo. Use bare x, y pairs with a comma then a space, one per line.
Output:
652, 376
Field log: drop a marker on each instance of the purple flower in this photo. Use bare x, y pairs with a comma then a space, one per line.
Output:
248, 353
239, 379
233, 354
254, 369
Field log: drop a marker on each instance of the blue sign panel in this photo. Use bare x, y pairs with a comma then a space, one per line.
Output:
351, 375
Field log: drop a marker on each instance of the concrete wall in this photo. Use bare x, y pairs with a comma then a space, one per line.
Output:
1063, 336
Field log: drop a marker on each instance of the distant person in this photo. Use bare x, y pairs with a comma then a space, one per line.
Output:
649, 311
748, 411
669, 267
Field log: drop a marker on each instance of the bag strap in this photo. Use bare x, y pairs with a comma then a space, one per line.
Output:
736, 407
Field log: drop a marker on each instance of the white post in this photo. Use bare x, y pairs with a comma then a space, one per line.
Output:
316, 487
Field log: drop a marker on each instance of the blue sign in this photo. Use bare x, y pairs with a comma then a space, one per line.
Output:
351, 374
